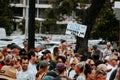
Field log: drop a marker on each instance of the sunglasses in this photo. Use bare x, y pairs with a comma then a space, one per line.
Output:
73, 64
92, 64
115, 59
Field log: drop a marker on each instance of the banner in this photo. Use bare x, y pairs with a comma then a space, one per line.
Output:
76, 29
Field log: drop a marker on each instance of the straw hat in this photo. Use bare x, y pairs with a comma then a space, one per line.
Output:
8, 72
1, 57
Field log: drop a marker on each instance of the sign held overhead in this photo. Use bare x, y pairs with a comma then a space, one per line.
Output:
76, 29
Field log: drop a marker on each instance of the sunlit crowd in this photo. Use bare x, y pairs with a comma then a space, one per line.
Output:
63, 64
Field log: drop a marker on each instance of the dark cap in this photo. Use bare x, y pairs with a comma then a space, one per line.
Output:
46, 52
22, 52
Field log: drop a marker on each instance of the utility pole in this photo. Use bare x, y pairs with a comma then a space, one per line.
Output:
31, 24
119, 35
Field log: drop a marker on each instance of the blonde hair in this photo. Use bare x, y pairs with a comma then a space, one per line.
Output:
81, 66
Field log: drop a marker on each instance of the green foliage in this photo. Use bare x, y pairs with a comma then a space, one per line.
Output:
106, 26
6, 16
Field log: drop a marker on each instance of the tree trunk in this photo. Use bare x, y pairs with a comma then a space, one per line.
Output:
92, 13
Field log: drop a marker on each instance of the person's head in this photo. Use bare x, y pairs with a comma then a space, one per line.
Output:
6, 51
103, 67
43, 65
1, 57
100, 75
74, 62
24, 63
108, 45
25, 43
56, 51
32, 55
46, 54
89, 72
92, 64
9, 60
15, 51
95, 47
113, 59
80, 67
61, 59
78, 57
22, 53
60, 68
63, 41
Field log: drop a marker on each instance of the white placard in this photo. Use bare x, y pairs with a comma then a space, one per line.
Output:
76, 29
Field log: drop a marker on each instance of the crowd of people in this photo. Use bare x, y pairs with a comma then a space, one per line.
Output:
62, 64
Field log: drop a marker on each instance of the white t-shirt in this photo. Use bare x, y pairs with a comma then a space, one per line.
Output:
81, 77
27, 75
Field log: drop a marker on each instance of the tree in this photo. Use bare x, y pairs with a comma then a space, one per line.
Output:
6, 16
106, 24
84, 16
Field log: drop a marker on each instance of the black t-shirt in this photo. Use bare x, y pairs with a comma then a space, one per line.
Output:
113, 74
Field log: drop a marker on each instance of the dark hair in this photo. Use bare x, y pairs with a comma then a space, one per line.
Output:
88, 69
25, 41
23, 58
62, 41
31, 53
55, 50
22, 52
61, 57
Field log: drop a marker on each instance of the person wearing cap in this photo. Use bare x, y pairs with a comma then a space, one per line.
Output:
48, 57
25, 73
43, 67
61, 70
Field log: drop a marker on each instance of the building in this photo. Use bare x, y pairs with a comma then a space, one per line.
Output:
20, 9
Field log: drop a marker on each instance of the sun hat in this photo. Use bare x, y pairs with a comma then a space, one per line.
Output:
1, 57
8, 72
